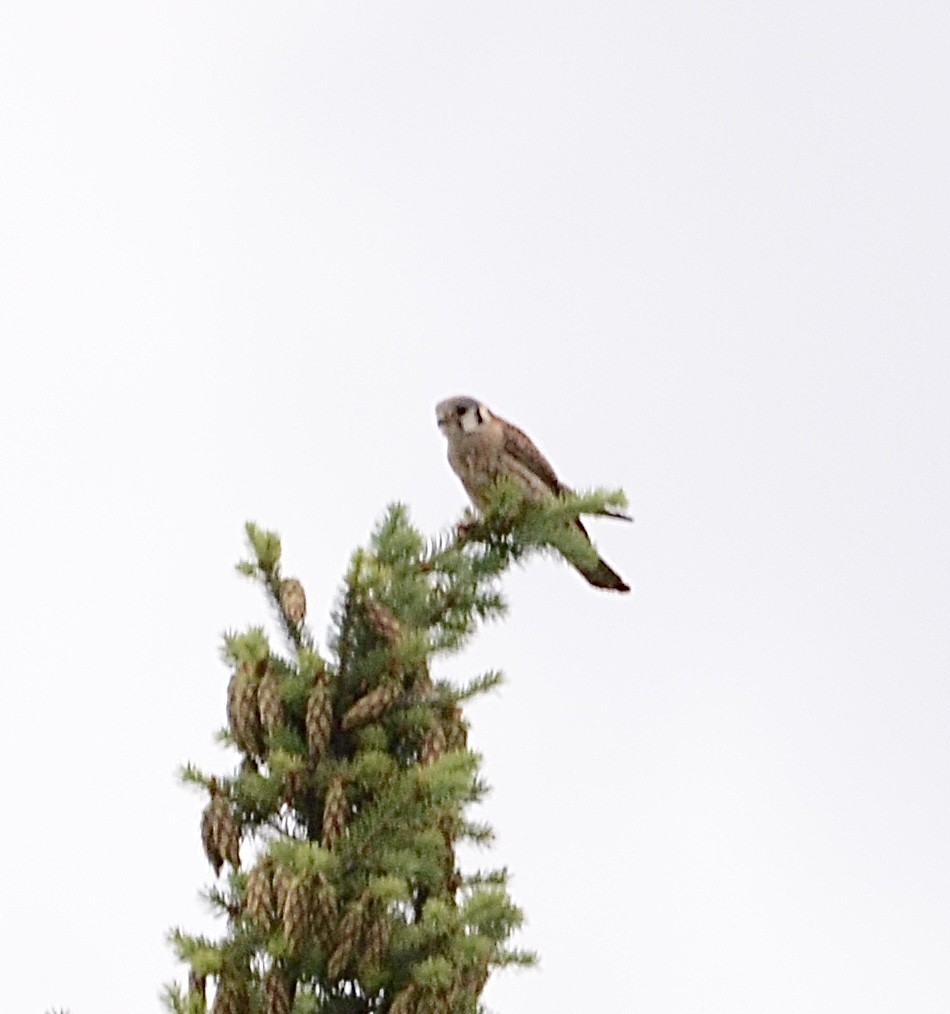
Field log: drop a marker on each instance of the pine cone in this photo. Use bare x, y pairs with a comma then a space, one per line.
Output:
293, 601
209, 839
196, 984
230, 997
283, 880
334, 813
319, 719
269, 702
434, 1001
453, 881
225, 831
456, 731
348, 939
224, 1001
278, 998
324, 914
219, 832
372, 706
474, 978
432, 746
293, 785
454, 995
377, 940
243, 717
405, 1001
260, 902
382, 622
296, 914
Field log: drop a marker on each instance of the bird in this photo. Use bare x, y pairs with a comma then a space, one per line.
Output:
483, 447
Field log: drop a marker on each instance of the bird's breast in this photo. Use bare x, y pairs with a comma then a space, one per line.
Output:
478, 465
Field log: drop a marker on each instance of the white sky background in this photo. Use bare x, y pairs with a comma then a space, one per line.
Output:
700, 251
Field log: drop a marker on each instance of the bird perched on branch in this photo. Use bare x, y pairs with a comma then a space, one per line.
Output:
483, 448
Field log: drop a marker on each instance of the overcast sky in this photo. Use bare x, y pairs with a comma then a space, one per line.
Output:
696, 250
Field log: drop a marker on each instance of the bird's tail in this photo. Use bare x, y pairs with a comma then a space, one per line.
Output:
602, 576
599, 574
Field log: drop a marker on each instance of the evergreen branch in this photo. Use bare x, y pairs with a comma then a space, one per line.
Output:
295, 631
478, 685
345, 618
595, 502
492, 878
352, 790
477, 833
515, 956
188, 774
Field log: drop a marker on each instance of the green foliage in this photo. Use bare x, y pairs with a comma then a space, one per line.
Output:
334, 838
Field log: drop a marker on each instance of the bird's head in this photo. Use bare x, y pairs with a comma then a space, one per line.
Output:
460, 415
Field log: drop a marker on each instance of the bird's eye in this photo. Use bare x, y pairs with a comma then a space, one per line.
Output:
460, 410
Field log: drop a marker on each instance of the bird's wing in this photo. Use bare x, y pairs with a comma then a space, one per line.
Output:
521, 448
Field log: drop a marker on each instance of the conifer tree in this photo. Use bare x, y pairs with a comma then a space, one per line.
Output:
333, 841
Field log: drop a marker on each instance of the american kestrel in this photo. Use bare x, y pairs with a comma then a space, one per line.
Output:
484, 447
